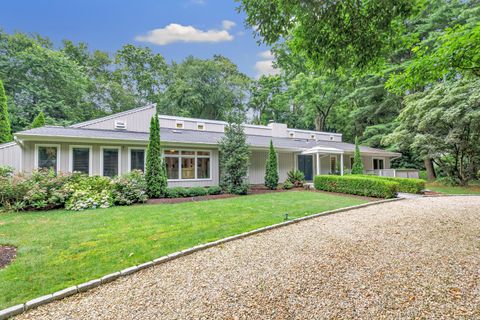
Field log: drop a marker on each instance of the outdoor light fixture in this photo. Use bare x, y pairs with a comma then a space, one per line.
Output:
286, 216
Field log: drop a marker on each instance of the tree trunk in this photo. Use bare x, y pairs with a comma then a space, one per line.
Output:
431, 175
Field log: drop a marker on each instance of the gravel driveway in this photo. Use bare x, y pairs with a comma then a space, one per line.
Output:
416, 258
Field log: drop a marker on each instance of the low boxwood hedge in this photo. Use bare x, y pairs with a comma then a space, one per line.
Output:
182, 192
358, 185
408, 185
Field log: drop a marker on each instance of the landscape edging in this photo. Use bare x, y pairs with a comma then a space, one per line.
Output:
86, 286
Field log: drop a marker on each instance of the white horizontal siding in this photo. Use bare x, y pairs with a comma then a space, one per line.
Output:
11, 155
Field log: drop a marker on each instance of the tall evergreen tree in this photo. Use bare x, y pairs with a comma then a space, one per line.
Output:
39, 120
5, 129
234, 157
357, 167
155, 174
271, 169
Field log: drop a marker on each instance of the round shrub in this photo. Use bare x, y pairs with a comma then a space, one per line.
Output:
129, 188
89, 193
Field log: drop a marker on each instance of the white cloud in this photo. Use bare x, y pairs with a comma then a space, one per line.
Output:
265, 66
175, 32
227, 24
267, 55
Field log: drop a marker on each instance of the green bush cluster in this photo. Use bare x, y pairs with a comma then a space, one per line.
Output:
287, 185
358, 185
296, 177
181, 192
44, 190
407, 185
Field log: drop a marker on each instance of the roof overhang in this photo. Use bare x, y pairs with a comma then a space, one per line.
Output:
323, 150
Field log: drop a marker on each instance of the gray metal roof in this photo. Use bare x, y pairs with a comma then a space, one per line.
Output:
183, 136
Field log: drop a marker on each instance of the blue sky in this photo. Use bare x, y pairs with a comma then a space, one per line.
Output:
172, 28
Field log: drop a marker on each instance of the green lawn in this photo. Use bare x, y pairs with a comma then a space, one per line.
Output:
471, 189
58, 249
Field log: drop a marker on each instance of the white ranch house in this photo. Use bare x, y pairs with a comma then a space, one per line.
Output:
117, 143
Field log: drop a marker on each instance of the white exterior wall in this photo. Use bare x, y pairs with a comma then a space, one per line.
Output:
258, 159
29, 160
138, 121
11, 155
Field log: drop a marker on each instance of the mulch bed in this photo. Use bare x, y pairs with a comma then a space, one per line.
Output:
7, 254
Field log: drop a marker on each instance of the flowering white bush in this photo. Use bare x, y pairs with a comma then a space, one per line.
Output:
130, 188
89, 193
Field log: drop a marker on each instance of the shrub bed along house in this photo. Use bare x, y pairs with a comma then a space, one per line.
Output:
181, 192
44, 190
407, 185
358, 185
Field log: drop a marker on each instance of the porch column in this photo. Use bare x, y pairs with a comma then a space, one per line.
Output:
318, 163
341, 164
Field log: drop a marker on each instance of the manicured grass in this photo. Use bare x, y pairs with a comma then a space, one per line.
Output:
471, 189
58, 249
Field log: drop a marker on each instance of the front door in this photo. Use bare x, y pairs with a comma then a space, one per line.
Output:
305, 164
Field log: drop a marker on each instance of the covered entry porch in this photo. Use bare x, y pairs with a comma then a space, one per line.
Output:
320, 160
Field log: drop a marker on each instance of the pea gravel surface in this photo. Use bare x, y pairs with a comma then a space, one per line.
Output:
415, 258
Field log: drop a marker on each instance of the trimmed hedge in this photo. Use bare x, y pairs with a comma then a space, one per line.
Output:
358, 185
181, 192
407, 185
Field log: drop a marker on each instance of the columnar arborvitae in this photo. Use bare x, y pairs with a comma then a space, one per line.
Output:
155, 173
39, 121
357, 167
271, 169
5, 128
234, 158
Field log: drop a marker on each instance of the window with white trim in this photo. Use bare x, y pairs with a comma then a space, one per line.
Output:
137, 159
80, 159
47, 157
110, 161
378, 164
187, 164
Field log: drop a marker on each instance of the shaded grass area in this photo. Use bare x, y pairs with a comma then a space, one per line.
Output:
474, 188
57, 249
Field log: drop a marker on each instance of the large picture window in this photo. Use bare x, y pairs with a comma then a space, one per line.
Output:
137, 159
80, 159
110, 164
187, 164
47, 157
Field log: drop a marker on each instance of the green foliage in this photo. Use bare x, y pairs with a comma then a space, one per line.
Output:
155, 173
214, 190
197, 191
362, 186
5, 129
407, 185
296, 178
89, 193
176, 192
42, 190
271, 169
39, 121
287, 185
45, 190
234, 158
6, 171
357, 167
443, 124
330, 34
129, 188
207, 89
452, 49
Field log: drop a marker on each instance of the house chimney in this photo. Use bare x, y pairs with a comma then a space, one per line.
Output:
278, 129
